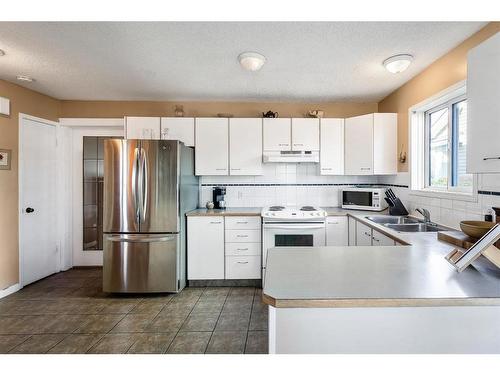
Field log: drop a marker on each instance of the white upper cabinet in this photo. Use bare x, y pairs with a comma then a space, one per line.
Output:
332, 146
385, 143
142, 127
305, 134
371, 144
277, 134
212, 146
359, 145
245, 146
483, 109
178, 128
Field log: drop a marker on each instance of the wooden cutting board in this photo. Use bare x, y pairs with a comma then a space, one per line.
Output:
457, 238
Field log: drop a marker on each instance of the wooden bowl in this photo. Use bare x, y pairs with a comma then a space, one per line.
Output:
476, 229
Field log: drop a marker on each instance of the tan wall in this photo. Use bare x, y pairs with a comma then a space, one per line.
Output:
444, 72
32, 103
72, 108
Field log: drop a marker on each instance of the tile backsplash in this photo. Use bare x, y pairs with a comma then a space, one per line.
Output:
281, 183
449, 212
301, 184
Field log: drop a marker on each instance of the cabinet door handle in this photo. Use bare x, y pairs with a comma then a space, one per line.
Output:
216, 222
298, 144
220, 169
242, 235
246, 248
236, 169
242, 222
374, 239
326, 169
333, 222
492, 158
365, 169
367, 234
242, 262
284, 144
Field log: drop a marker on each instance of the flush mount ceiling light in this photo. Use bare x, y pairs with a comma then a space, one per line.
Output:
398, 63
25, 78
252, 61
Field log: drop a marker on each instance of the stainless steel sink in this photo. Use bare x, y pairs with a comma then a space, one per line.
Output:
420, 227
393, 220
405, 224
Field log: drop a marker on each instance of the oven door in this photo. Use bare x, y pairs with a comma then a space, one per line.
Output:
292, 235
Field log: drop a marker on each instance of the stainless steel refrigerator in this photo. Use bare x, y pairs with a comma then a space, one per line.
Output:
149, 185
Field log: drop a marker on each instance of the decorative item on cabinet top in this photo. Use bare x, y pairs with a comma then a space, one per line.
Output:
316, 113
270, 114
179, 111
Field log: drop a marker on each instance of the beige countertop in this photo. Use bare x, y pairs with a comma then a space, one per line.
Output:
230, 211
360, 276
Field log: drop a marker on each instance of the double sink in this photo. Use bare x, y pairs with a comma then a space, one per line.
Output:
406, 224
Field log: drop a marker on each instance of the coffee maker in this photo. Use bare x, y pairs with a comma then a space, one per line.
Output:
218, 194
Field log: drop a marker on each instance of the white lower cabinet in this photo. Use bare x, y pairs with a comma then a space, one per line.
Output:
221, 248
205, 248
352, 231
363, 235
243, 267
366, 236
379, 239
243, 248
337, 233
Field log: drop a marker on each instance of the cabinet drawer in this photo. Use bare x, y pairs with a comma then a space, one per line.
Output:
243, 222
243, 267
251, 235
251, 248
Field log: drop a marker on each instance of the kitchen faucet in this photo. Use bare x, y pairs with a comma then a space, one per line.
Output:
425, 213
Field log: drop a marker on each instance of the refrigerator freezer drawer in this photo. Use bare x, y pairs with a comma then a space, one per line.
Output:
138, 263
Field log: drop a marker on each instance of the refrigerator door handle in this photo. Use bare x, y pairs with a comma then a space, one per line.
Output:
144, 184
135, 185
141, 238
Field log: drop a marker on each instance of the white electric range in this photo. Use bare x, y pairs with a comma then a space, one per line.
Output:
292, 227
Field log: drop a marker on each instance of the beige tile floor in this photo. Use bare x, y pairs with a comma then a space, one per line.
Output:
68, 313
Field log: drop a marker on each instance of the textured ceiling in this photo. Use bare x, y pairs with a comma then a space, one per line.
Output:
306, 61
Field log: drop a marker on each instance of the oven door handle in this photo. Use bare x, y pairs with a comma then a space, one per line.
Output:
293, 227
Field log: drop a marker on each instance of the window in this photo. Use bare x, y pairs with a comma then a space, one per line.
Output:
446, 146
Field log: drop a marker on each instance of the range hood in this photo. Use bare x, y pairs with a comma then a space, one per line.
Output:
291, 156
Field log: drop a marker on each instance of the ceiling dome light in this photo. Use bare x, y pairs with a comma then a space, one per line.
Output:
398, 63
25, 79
252, 61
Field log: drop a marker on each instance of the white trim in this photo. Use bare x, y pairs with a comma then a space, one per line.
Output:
459, 88
416, 157
9, 290
23, 117
79, 256
89, 122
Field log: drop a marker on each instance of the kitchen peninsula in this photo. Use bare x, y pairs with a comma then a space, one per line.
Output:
381, 299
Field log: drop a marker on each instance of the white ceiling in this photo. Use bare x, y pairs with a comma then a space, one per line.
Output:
306, 61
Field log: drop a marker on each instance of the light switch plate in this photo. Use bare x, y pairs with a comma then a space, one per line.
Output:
4, 106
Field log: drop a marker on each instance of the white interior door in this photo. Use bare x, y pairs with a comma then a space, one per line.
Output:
38, 241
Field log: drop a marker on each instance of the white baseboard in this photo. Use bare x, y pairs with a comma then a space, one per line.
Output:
9, 290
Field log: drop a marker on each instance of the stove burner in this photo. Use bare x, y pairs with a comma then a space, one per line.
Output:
276, 208
307, 208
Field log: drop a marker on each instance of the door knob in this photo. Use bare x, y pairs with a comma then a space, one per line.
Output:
30, 210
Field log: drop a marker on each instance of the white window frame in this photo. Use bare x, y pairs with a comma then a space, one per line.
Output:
418, 138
